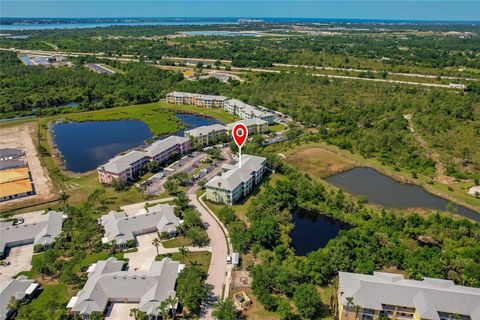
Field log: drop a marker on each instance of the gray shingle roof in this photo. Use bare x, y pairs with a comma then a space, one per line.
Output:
161, 145
12, 288
121, 228
9, 153
11, 164
235, 175
247, 122
249, 109
44, 231
107, 281
123, 162
429, 296
204, 130
197, 95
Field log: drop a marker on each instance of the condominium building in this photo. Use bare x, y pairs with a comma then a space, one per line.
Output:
254, 126
246, 111
120, 227
201, 100
386, 295
126, 167
236, 182
207, 134
108, 283
42, 232
19, 289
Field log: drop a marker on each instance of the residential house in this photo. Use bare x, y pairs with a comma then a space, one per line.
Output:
19, 289
121, 228
108, 283
386, 295
236, 182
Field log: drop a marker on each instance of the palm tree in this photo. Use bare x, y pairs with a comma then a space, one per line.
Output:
163, 308
156, 243
172, 303
64, 197
183, 251
133, 313
13, 305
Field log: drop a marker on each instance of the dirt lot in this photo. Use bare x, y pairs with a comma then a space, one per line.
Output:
318, 162
20, 137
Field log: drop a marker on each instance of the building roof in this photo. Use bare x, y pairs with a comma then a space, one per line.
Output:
160, 146
11, 163
44, 231
428, 297
197, 95
204, 130
120, 227
231, 179
15, 187
247, 122
107, 281
249, 109
10, 153
12, 288
10, 175
123, 162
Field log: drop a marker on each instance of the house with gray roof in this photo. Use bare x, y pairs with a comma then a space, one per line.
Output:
206, 135
20, 289
43, 232
392, 296
108, 282
120, 227
236, 182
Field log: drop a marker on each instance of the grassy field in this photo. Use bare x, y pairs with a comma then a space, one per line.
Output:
159, 120
321, 160
177, 242
256, 310
202, 258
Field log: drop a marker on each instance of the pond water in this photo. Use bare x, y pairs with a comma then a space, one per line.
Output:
86, 145
387, 192
313, 231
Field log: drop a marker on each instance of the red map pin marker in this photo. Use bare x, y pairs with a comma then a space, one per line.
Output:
240, 134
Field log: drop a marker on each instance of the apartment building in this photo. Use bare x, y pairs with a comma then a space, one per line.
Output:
201, 100
108, 283
207, 134
386, 295
119, 227
246, 111
236, 182
254, 126
126, 167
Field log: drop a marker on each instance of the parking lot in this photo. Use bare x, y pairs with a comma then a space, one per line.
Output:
20, 259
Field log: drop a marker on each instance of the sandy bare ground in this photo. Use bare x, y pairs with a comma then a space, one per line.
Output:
20, 137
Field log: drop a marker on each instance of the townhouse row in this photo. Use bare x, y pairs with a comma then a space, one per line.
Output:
126, 167
232, 106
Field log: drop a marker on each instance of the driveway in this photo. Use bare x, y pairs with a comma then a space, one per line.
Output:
143, 258
20, 259
120, 311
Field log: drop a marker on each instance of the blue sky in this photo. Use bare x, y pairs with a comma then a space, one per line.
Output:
341, 9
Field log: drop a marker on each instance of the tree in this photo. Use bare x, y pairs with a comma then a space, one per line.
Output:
181, 201
64, 198
191, 289
163, 309
13, 305
156, 243
307, 300
198, 236
171, 187
183, 251
225, 310
172, 304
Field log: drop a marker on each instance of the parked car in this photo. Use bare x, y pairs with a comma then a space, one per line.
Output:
19, 220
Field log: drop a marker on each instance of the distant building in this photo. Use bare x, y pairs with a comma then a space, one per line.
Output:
126, 167
387, 295
15, 183
207, 134
20, 288
201, 100
254, 126
235, 182
11, 164
108, 283
121, 228
246, 111
42, 232
10, 154
457, 86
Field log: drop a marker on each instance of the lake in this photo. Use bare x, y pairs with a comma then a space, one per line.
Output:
312, 231
86, 145
387, 192
219, 33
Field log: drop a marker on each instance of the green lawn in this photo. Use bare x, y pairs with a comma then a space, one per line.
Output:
201, 257
177, 242
159, 120
50, 304
277, 127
